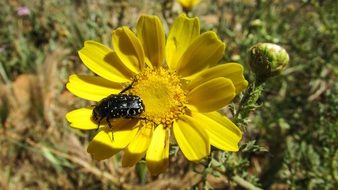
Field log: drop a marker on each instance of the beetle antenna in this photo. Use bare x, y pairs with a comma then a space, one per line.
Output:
128, 87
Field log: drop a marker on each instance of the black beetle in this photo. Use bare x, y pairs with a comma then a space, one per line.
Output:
118, 106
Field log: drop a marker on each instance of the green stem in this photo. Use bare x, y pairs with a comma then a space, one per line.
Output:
243, 183
244, 100
3, 74
249, 100
238, 180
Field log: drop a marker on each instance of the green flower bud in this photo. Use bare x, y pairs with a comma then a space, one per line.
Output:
267, 60
256, 24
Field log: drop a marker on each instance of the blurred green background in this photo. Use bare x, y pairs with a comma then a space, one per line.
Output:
290, 141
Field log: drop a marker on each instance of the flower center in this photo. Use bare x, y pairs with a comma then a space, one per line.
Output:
162, 95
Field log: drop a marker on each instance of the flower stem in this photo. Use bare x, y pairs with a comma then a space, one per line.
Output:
238, 180
248, 101
243, 183
3, 74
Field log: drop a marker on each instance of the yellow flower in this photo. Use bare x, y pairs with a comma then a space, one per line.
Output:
181, 86
188, 4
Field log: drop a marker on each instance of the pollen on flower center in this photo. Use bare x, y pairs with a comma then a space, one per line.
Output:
162, 95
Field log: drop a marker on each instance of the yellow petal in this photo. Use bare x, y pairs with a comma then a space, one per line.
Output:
81, 119
92, 87
104, 62
101, 146
138, 146
123, 131
158, 152
223, 133
107, 142
205, 51
128, 48
211, 95
151, 34
184, 30
188, 4
191, 138
232, 71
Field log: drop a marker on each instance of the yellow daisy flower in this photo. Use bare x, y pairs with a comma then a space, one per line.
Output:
181, 86
188, 4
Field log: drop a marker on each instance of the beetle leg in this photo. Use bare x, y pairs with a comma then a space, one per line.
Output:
109, 124
98, 123
110, 127
127, 88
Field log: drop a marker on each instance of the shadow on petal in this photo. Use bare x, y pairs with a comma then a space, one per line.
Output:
115, 61
130, 159
100, 151
93, 88
118, 124
98, 81
128, 48
157, 167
